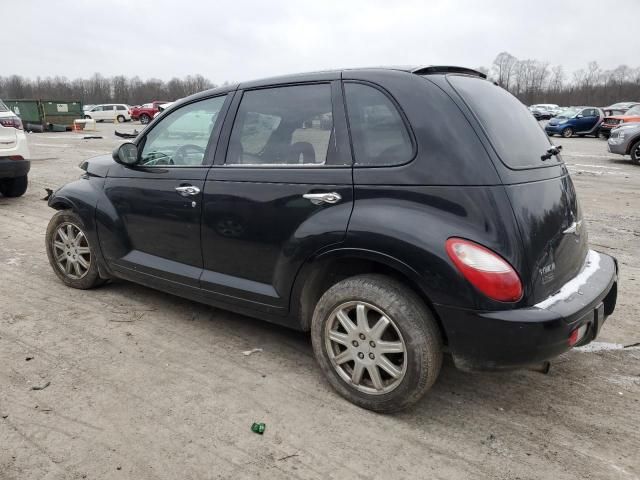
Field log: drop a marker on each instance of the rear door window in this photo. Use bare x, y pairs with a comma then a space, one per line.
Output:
378, 132
287, 126
514, 133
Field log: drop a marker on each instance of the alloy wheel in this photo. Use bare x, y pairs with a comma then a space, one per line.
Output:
365, 347
71, 251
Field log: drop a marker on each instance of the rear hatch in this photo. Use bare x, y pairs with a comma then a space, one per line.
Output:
541, 192
8, 137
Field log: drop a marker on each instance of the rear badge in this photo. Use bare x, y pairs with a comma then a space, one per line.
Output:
547, 273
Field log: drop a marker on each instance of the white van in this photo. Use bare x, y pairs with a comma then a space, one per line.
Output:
110, 112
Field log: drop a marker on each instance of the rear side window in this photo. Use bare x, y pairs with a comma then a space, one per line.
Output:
378, 133
282, 126
513, 131
120, 107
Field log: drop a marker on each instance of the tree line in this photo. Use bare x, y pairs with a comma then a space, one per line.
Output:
532, 81
99, 89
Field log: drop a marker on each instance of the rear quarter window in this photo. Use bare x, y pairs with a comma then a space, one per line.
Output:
513, 131
378, 133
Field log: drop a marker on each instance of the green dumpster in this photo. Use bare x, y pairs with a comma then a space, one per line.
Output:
38, 114
27, 110
57, 112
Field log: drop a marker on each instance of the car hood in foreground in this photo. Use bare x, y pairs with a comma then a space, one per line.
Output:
98, 166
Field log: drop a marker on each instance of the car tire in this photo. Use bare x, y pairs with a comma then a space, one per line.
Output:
64, 251
550, 134
14, 187
87, 117
634, 151
121, 119
408, 363
567, 132
144, 119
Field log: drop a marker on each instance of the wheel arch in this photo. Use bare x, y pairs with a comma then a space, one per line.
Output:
318, 274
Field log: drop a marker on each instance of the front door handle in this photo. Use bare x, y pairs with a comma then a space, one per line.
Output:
188, 190
319, 198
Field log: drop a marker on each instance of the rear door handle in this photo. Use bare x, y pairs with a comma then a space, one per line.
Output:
188, 190
319, 198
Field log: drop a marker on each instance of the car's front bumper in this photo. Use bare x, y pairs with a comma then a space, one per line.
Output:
528, 336
13, 168
617, 147
556, 129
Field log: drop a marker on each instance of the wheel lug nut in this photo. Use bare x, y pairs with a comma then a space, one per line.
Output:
372, 344
372, 356
354, 343
362, 337
360, 355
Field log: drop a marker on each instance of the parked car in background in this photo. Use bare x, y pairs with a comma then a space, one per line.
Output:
576, 121
541, 113
110, 112
625, 140
386, 240
162, 107
622, 105
88, 107
14, 154
544, 106
630, 116
147, 111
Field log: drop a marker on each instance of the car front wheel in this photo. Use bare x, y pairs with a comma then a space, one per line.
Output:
14, 187
144, 119
70, 254
377, 342
567, 132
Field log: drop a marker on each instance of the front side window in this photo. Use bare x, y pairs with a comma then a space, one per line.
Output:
97, 109
378, 133
289, 126
181, 138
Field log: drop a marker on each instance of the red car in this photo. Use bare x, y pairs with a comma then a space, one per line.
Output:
146, 112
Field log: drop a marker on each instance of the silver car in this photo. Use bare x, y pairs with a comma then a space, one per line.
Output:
625, 140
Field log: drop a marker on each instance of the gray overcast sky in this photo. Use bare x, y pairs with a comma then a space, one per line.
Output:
245, 39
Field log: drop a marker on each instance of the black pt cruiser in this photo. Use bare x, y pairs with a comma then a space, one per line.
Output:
397, 214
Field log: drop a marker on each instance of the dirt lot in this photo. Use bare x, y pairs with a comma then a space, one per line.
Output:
148, 386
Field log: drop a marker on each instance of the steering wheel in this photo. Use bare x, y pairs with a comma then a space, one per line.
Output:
179, 156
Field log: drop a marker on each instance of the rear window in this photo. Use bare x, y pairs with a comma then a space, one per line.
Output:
514, 132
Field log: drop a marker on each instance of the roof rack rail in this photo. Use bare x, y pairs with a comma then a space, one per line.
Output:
431, 69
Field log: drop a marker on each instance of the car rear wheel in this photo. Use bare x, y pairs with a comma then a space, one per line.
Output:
376, 342
567, 132
70, 254
635, 153
144, 119
14, 187
121, 119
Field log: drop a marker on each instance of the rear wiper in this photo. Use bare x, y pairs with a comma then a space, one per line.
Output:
551, 152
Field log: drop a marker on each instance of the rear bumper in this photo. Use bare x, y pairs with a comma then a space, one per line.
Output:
521, 337
13, 168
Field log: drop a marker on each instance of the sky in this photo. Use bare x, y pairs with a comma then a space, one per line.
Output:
248, 39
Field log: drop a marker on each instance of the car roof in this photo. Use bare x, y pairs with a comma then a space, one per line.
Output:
328, 75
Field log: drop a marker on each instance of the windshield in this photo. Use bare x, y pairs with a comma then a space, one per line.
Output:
634, 111
514, 132
568, 113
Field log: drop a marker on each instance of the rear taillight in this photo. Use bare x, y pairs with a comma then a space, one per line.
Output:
485, 270
14, 122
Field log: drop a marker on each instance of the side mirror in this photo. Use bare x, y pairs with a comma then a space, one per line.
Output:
126, 154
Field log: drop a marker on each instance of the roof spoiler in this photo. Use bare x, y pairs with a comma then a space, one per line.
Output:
447, 69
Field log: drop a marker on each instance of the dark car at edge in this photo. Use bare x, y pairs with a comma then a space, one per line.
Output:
337, 203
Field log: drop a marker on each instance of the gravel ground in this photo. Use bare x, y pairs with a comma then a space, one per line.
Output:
144, 385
